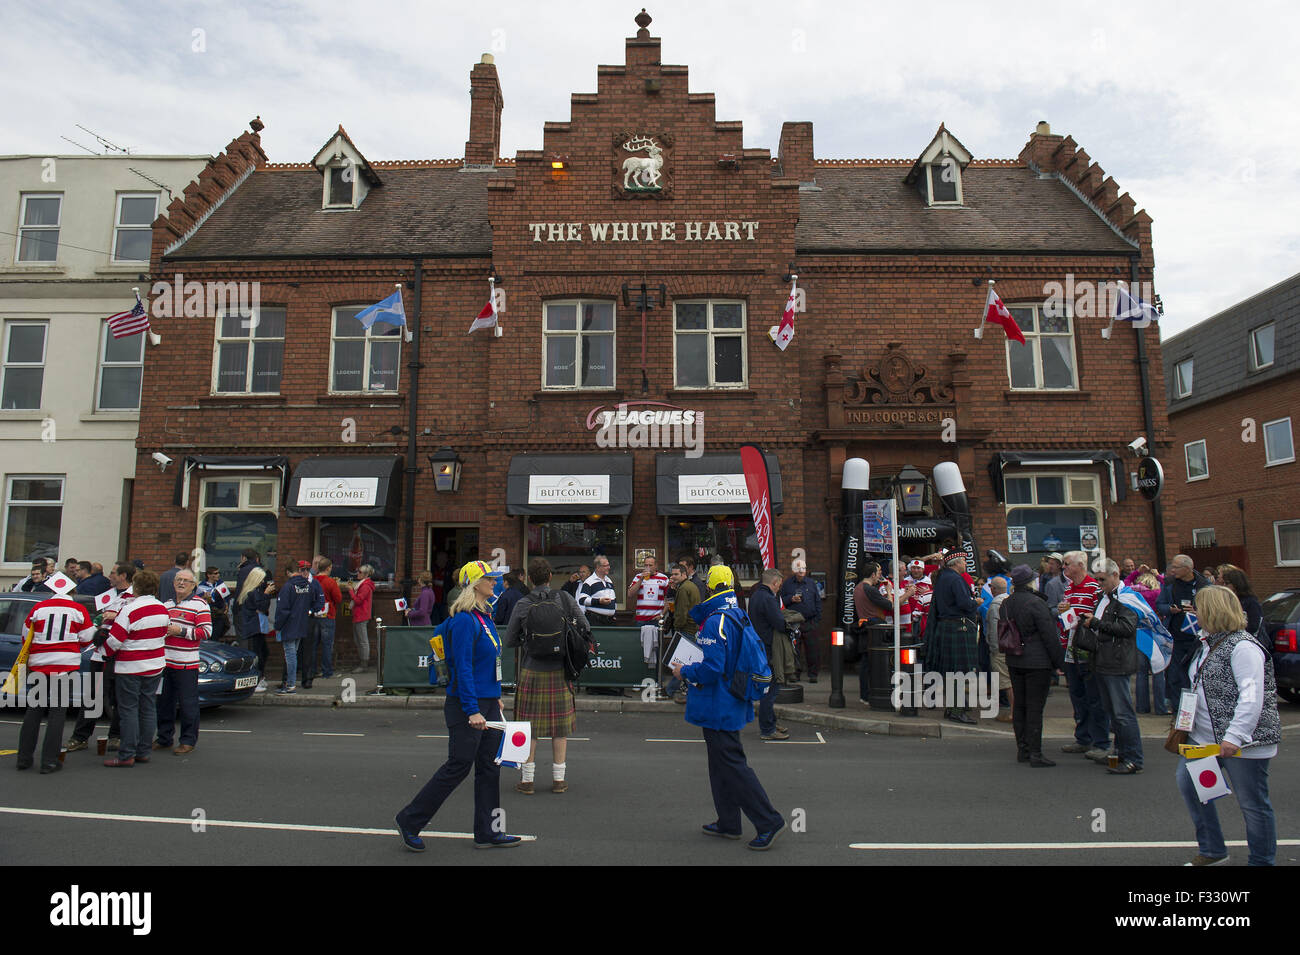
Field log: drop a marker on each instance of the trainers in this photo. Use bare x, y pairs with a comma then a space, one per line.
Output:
411, 840
499, 841
76, 744
114, 742
774, 735
764, 840
559, 786
1208, 860
285, 691
712, 829
53, 767
524, 787
1097, 755
1125, 769
261, 686
1076, 748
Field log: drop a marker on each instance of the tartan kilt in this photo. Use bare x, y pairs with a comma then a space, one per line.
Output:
543, 698
953, 646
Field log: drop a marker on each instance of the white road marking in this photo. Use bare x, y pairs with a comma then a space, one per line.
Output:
1293, 726
333, 734
1017, 846
674, 741
821, 737
580, 739
432, 736
232, 824
206, 730
13, 722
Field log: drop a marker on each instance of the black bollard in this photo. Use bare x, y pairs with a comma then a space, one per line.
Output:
837, 670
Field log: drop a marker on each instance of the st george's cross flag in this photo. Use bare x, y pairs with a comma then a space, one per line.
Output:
60, 583
783, 334
997, 313
516, 740
1207, 777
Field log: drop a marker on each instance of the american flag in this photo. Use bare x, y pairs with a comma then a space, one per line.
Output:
124, 324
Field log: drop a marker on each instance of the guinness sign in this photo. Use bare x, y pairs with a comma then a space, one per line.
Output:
1150, 478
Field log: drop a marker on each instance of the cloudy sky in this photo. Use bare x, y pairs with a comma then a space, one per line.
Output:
1190, 110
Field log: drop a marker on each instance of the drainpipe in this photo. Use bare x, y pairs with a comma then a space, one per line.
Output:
1157, 515
413, 397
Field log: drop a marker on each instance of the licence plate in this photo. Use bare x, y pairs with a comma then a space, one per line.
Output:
244, 682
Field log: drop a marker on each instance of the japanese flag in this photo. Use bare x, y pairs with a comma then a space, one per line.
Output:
103, 600
401, 603
1208, 778
516, 740
1069, 619
222, 589
60, 583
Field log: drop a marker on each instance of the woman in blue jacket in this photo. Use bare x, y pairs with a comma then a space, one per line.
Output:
710, 705
473, 699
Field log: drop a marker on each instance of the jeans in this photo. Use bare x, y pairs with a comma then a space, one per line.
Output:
811, 651
86, 724
291, 661
1248, 779
1030, 690
735, 787
1091, 728
257, 644
361, 634
327, 646
467, 749
138, 709
180, 690
1150, 688
767, 710
1119, 708
307, 650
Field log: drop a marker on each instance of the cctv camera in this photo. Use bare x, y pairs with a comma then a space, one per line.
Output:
1138, 445
161, 460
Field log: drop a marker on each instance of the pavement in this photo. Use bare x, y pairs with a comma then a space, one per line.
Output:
815, 710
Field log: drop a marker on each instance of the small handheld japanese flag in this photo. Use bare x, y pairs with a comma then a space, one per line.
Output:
1207, 776
401, 603
516, 740
103, 600
1069, 619
222, 589
60, 583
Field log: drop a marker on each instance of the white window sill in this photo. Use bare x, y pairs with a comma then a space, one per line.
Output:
123, 268
1273, 464
110, 416
52, 268
1193, 480
23, 414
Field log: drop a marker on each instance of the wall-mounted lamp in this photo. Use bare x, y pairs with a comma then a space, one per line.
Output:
445, 464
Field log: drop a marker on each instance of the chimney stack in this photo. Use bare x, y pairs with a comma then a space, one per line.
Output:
485, 104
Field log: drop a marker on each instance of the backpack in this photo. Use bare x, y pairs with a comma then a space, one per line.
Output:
750, 675
545, 627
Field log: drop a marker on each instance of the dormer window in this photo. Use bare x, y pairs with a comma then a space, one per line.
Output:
346, 176
341, 179
936, 174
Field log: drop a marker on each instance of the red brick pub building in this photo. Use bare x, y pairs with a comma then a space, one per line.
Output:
293, 433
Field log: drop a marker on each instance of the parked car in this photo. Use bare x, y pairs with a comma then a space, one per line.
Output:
227, 674
1282, 621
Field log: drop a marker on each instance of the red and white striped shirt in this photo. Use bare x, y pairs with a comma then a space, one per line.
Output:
650, 599
1082, 598
137, 640
61, 628
196, 620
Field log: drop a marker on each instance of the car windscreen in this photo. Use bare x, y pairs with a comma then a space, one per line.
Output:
1280, 607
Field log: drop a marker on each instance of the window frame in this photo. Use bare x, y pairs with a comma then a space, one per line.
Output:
243, 506
710, 332
248, 366
1068, 501
1187, 463
1277, 544
119, 227
330, 202
6, 364
577, 334
1178, 377
1270, 462
57, 228
1033, 340
105, 363
1203, 530
929, 182
365, 358
9, 502
1254, 346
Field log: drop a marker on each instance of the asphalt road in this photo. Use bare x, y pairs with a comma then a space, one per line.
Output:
264, 792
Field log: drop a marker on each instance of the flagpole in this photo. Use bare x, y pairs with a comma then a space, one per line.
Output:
984, 315
492, 297
1114, 307
406, 328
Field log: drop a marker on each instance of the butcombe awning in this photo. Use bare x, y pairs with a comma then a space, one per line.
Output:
568, 484
1066, 457
709, 484
225, 462
346, 486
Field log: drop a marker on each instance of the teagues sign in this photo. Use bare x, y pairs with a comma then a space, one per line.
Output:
337, 492
568, 489
712, 489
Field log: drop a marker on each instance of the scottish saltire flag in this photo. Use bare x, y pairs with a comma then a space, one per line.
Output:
516, 740
1153, 638
1130, 309
1191, 626
390, 311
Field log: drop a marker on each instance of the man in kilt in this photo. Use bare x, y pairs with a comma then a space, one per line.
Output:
952, 633
544, 697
